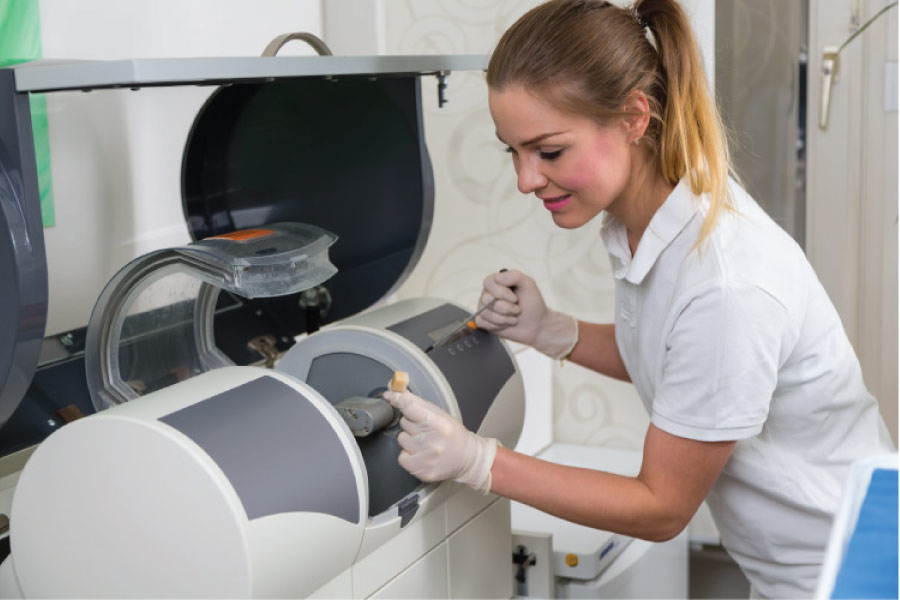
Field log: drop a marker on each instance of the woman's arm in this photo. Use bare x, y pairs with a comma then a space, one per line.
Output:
676, 473
657, 505
596, 349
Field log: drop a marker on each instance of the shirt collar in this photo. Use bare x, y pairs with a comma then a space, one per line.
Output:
666, 224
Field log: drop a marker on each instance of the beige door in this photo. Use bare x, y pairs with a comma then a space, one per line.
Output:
852, 196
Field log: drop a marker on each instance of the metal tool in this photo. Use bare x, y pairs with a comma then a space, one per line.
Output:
467, 322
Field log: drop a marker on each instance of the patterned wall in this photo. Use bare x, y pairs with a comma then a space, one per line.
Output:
482, 223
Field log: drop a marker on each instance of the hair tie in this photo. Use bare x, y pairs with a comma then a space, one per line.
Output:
633, 11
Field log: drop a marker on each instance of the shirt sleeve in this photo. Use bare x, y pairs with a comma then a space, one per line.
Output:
721, 364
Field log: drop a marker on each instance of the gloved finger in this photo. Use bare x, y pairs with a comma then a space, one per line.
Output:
485, 298
413, 408
409, 443
491, 321
483, 323
512, 278
504, 308
427, 406
414, 465
413, 428
500, 289
430, 434
404, 461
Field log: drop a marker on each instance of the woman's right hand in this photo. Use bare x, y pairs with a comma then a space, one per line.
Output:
518, 313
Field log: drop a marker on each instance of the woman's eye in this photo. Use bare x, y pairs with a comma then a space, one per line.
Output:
550, 155
510, 150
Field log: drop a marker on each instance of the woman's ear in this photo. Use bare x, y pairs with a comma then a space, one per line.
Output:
637, 115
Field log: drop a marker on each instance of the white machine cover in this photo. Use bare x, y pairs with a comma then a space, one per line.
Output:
212, 487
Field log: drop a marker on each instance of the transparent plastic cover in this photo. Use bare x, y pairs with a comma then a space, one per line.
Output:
153, 324
274, 260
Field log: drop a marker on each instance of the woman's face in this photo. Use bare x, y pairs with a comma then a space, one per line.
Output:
575, 166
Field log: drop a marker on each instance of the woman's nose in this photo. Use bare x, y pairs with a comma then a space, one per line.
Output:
530, 178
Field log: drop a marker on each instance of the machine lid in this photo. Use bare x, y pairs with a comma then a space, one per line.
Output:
344, 151
153, 323
53, 75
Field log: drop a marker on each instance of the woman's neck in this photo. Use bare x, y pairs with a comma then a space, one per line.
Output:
642, 197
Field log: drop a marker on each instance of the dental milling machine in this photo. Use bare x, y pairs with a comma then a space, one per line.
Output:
232, 442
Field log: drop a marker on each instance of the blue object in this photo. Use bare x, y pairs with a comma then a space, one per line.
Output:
869, 569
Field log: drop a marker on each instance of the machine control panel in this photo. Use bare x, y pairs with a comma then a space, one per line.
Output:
474, 362
464, 338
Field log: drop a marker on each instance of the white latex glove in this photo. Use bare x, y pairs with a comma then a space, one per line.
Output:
521, 315
437, 447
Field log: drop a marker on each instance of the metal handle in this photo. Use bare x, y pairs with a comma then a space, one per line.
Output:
317, 44
830, 63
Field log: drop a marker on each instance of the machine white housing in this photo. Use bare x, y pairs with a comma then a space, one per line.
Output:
245, 482
205, 488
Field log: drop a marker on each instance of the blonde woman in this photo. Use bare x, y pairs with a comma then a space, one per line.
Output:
755, 395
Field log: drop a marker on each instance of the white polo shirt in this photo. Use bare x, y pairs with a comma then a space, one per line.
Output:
740, 342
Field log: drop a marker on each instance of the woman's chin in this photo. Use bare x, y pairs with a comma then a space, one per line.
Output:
567, 220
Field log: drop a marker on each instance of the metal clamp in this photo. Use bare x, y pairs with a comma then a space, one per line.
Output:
407, 508
316, 42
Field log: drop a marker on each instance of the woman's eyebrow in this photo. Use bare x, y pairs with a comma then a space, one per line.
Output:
533, 140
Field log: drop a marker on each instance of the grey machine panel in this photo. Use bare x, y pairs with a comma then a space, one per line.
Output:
23, 263
475, 365
277, 450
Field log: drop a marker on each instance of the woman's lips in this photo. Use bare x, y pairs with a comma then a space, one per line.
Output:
557, 203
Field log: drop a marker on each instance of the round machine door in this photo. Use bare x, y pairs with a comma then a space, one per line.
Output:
241, 482
153, 325
347, 362
23, 271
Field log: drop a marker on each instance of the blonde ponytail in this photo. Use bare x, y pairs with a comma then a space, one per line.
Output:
692, 141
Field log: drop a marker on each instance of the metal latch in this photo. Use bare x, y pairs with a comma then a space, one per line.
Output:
407, 509
523, 559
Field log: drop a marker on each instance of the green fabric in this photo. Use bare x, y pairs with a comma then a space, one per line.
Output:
20, 41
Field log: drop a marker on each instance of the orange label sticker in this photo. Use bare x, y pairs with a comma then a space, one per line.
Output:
242, 235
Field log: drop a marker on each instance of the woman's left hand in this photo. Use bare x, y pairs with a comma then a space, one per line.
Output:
435, 446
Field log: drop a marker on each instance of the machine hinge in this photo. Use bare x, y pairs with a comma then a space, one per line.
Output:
266, 346
442, 88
